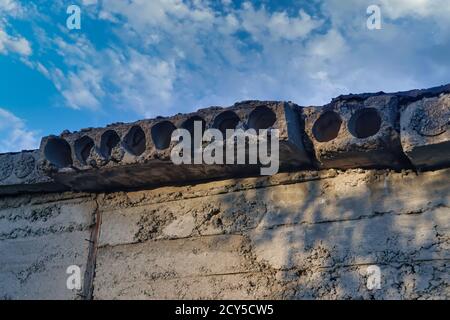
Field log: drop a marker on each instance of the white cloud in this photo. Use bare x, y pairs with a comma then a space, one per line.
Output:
418, 8
200, 60
330, 45
89, 2
161, 13
82, 89
14, 134
350, 14
278, 25
143, 82
167, 56
12, 44
194, 41
122, 77
8, 43
9, 7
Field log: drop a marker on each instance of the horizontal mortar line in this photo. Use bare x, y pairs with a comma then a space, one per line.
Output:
362, 264
40, 203
45, 233
393, 262
171, 239
56, 265
281, 184
48, 265
193, 196
210, 275
363, 217
193, 276
385, 263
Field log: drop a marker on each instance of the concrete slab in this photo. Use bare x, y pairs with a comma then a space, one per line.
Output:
138, 154
425, 132
20, 173
356, 133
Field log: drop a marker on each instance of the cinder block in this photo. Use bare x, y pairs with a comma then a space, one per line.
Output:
425, 133
234, 286
145, 264
380, 239
138, 154
35, 267
356, 133
20, 173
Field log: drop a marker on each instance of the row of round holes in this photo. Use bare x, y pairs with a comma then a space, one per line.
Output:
58, 151
364, 123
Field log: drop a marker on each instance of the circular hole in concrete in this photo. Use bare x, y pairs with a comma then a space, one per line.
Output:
365, 123
109, 140
226, 120
83, 147
327, 127
57, 152
261, 118
189, 125
162, 134
134, 142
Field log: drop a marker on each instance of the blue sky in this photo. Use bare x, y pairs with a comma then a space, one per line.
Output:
135, 59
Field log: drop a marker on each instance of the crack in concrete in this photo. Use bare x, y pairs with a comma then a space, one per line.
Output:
88, 284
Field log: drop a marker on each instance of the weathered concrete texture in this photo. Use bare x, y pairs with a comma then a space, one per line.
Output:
207, 267
137, 155
418, 280
405, 97
282, 237
40, 237
20, 173
356, 134
425, 132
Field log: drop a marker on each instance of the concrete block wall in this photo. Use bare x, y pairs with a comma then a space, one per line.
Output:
298, 235
42, 235
291, 236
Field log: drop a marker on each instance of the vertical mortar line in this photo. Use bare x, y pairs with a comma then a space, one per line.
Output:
88, 283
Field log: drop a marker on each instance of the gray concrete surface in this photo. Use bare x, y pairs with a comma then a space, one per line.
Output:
20, 173
356, 134
40, 237
425, 132
299, 235
137, 155
287, 240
